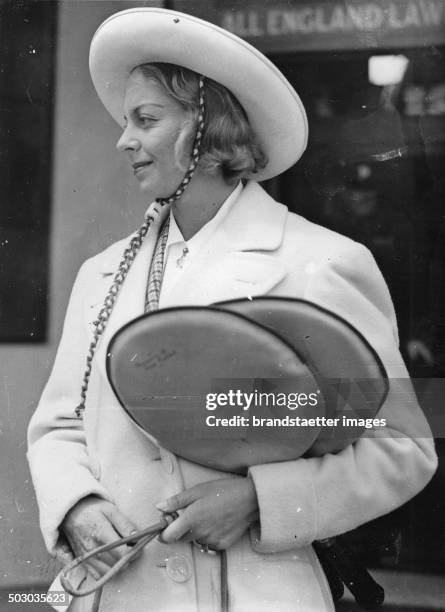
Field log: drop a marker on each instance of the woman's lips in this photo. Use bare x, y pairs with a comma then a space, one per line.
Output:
140, 166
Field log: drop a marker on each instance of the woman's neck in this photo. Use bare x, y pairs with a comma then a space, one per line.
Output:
201, 201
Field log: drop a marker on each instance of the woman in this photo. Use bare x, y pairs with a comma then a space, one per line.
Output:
194, 124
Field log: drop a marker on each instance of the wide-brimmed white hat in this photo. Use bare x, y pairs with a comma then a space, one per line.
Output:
141, 35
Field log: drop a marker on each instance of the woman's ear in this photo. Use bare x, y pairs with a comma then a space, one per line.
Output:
184, 144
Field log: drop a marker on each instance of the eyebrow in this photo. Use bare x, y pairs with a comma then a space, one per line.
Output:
137, 108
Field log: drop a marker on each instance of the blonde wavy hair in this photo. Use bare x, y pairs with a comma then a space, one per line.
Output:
228, 143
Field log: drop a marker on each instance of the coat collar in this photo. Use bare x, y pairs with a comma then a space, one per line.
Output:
235, 262
255, 223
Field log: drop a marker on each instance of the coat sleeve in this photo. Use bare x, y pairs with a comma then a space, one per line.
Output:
61, 468
309, 499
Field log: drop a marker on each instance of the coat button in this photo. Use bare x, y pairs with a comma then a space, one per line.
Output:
179, 568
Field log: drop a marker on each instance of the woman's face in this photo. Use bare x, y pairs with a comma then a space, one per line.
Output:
155, 127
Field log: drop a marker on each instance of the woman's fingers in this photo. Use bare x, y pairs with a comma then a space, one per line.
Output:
216, 513
63, 552
185, 527
123, 526
181, 528
180, 500
94, 522
82, 545
108, 535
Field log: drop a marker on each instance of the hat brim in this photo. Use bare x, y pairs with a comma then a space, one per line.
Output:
142, 35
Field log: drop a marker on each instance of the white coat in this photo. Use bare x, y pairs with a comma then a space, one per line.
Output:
259, 248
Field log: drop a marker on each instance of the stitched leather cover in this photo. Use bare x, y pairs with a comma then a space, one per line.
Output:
164, 365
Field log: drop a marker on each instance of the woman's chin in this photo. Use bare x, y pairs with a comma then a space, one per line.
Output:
147, 190
155, 191
150, 190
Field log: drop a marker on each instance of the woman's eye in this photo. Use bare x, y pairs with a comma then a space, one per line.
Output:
146, 121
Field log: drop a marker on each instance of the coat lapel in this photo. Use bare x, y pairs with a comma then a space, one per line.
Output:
234, 263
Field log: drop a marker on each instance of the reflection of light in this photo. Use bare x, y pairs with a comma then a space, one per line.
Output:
363, 171
400, 152
386, 69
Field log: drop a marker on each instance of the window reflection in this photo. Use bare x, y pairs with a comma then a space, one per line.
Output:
373, 172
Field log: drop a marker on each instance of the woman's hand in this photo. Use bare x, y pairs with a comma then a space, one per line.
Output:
215, 513
92, 522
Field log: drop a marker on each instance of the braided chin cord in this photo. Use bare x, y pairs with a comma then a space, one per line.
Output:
132, 250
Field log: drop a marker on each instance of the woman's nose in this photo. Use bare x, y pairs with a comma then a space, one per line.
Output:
127, 142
